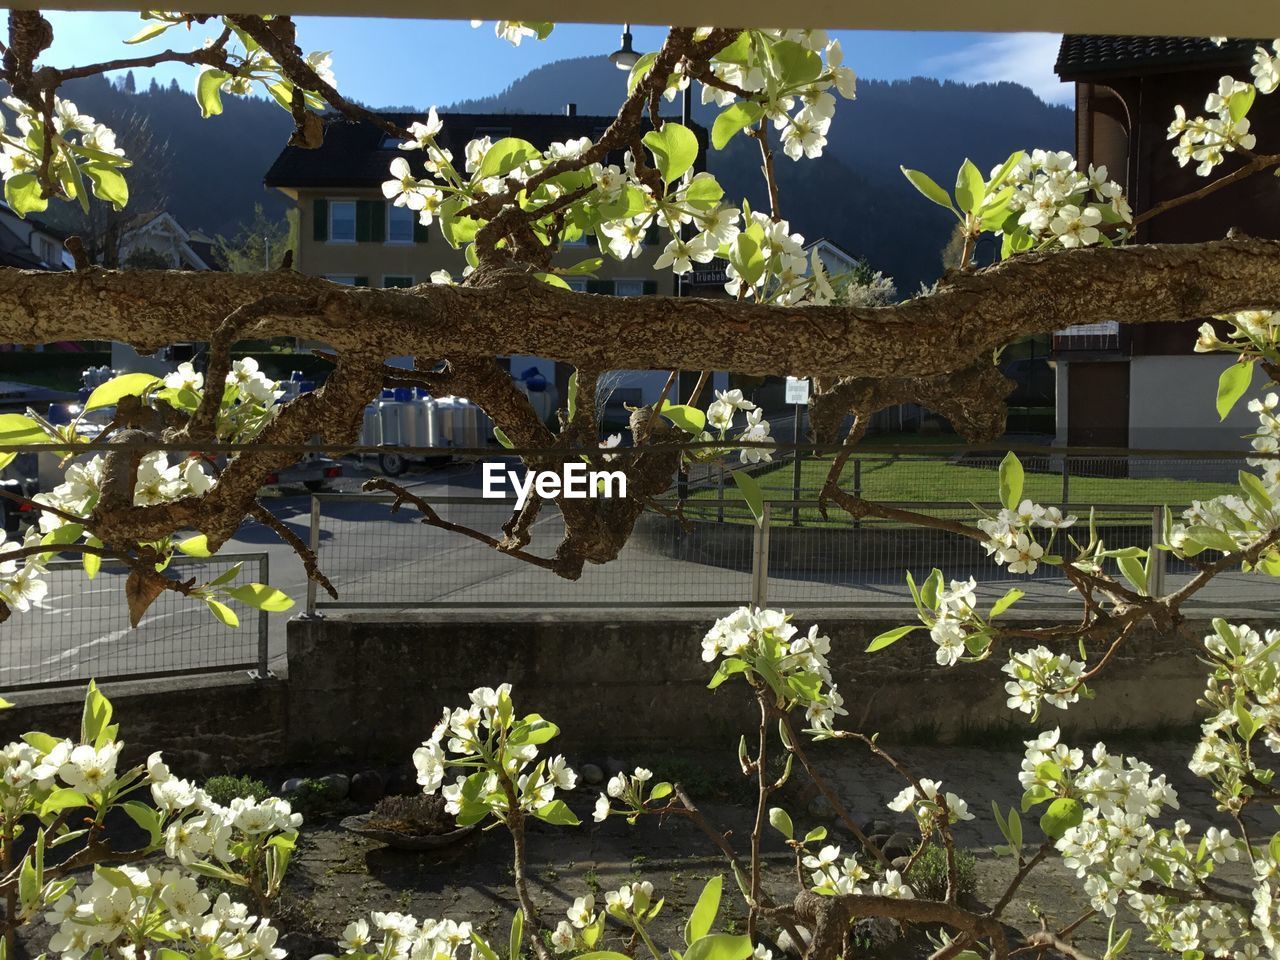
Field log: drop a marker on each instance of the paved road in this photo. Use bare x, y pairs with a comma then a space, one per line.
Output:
375, 557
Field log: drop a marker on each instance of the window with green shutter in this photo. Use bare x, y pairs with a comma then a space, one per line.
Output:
320, 219
364, 221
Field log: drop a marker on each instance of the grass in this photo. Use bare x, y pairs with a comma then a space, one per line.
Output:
917, 480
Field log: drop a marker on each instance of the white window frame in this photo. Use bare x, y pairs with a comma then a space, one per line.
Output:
354, 228
413, 219
346, 279
397, 276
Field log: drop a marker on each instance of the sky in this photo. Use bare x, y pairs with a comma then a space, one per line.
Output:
387, 62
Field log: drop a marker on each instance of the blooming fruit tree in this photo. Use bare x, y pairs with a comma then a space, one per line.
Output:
146, 484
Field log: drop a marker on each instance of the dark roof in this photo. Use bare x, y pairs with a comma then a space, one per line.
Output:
1085, 55
353, 154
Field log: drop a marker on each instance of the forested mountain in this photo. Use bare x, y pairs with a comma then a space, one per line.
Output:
209, 172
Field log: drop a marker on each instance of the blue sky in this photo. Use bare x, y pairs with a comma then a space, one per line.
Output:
423, 62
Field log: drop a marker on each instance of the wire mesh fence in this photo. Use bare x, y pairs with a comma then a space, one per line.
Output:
703, 548
82, 631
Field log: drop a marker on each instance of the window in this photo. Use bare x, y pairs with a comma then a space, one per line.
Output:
628, 288
342, 221
577, 283
390, 143
347, 279
400, 221
390, 280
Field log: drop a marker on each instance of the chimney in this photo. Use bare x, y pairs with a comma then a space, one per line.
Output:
570, 109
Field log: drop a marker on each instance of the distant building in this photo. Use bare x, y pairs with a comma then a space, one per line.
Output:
1142, 386
30, 243
350, 233
157, 240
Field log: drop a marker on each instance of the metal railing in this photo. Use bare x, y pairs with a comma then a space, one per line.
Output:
82, 631
711, 555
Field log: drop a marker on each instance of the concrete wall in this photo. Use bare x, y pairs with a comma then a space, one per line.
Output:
204, 725
364, 689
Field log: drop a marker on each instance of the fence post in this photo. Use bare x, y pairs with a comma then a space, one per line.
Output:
264, 576
313, 541
760, 559
720, 494
1066, 480
857, 486
1156, 587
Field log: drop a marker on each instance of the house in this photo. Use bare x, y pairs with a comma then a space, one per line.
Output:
31, 244
350, 233
157, 240
1143, 387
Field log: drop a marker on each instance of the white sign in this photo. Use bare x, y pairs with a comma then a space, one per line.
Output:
797, 390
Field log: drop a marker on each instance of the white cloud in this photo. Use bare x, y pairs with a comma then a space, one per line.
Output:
1025, 58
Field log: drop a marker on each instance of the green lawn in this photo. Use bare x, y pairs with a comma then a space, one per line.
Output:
917, 480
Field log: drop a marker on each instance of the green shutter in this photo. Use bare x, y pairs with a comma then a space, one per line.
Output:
379, 228
650, 287
364, 221
320, 217
360, 282
600, 286
421, 232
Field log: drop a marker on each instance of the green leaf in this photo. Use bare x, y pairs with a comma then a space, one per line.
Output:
732, 120
739, 51
571, 399
889, 637
92, 562
148, 818
728, 668
925, 184
930, 588
209, 92
1255, 489
794, 64
95, 722
197, 546
126, 385
1011, 479
558, 813
674, 148
502, 438
485, 950
15, 429
226, 576
1134, 572
552, 280
505, 155
1006, 168
149, 31
517, 935
1246, 723
661, 791
1233, 383
816, 835
108, 183
262, 596
1005, 602
23, 194
971, 188
719, 946
780, 820
222, 612
1241, 102
639, 70
749, 487
687, 418
704, 911
63, 799
1061, 815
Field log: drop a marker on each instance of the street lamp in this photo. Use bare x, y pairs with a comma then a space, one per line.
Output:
625, 57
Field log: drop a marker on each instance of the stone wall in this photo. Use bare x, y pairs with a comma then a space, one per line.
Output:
370, 690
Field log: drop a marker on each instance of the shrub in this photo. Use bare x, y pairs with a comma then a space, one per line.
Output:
928, 875
226, 787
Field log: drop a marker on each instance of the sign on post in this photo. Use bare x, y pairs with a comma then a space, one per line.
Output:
797, 390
